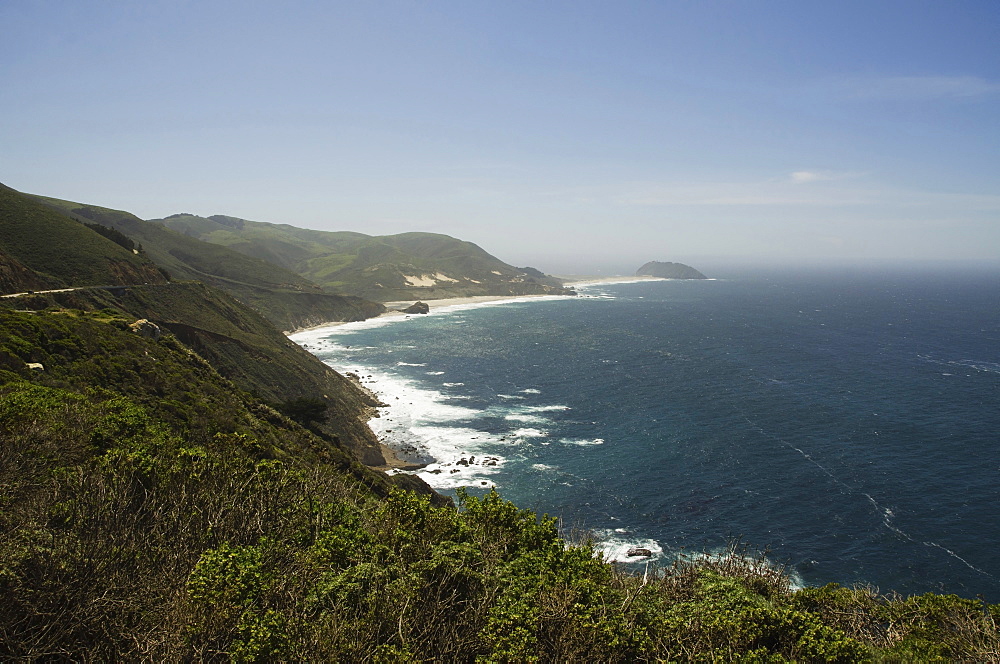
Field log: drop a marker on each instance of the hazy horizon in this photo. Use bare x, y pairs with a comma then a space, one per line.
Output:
566, 136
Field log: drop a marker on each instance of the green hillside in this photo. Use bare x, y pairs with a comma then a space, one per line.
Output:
62, 252
287, 299
242, 346
387, 268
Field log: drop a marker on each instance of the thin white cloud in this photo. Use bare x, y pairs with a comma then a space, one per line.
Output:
789, 193
802, 177
911, 88
805, 177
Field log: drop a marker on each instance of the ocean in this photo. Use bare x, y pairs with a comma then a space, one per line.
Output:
845, 424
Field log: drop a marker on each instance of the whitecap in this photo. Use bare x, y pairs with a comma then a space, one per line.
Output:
583, 442
614, 548
526, 418
411, 364
721, 555
529, 433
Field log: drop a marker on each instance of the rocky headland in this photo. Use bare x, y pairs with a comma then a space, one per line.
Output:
667, 270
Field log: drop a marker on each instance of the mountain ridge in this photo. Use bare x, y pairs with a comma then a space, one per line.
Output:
413, 265
42, 249
287, 299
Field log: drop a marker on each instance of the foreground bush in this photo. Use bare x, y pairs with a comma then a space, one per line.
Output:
148, 511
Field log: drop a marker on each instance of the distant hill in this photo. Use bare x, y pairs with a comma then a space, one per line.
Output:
669, 271
40, 248
386, 268
287, 299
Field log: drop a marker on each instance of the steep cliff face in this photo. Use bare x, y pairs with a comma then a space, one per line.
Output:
666, 270
16, 277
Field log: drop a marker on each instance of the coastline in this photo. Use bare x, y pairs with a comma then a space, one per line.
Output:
393, 309
394, 459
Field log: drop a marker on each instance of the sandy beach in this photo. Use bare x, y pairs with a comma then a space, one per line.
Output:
395, 308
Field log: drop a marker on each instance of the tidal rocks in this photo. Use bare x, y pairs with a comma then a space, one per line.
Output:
417, 308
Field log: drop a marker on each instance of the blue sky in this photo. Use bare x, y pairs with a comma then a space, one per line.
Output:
571, 136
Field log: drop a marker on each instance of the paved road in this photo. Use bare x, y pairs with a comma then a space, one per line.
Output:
78, 288
58, 290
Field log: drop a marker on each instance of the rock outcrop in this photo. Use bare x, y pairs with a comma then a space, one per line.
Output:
417, 308
666, 270
146, 329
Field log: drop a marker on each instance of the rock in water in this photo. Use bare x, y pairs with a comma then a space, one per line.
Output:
417, 308
669, 271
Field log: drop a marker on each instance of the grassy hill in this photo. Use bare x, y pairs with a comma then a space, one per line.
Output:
287, 299
62, 251
382, 268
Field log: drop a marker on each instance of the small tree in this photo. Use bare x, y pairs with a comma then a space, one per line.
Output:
304, 410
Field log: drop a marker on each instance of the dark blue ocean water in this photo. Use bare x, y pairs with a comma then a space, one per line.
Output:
849, 425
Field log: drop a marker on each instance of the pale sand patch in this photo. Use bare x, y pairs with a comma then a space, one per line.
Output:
429, 279
393, 308
421, 281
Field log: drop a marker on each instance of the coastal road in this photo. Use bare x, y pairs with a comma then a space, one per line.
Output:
80, 288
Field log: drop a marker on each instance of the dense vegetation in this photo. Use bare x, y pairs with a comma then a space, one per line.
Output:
418, 266
150, 510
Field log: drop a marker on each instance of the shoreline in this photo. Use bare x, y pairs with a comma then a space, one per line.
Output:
393, 309
395, 459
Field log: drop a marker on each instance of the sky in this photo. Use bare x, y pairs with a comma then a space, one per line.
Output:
577, 137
